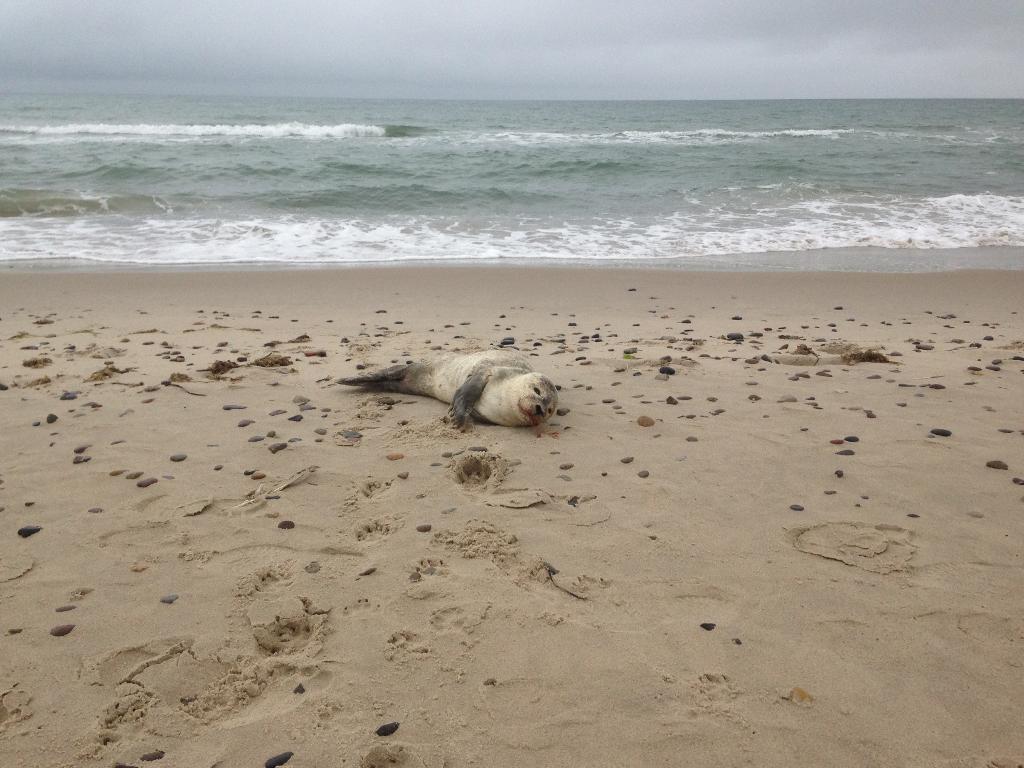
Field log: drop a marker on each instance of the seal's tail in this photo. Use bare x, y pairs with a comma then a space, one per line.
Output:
389, 379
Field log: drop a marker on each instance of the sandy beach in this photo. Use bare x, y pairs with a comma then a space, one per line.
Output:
805, 559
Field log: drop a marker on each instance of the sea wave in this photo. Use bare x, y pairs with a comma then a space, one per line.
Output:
696, 238
269, 131
42, 203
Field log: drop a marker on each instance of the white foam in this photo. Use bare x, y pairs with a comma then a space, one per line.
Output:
707, 237
272, 131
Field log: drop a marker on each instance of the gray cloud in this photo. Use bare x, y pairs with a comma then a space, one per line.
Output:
519, 48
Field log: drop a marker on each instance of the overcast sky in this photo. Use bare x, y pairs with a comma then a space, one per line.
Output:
576, 49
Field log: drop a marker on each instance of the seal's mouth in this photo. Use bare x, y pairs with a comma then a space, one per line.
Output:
531, 416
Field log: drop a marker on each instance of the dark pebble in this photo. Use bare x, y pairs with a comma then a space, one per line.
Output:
941, 432
65, 608
286, 525
277, 412
368, 571
257, 439
846, 452
81, 459
69, 396
168, 599
296, 417
1018, 481
234, 407
277, 447
179, 457
277, 760
996, 464
300, 688
707, 625
147, 482
133, 476
61, 629
734, 336
852, 439
95, 510
424, 527
643, 473
626, 459
245, 422
29, 530
387, 729
50, 418
796, 507
150, 757
667, 369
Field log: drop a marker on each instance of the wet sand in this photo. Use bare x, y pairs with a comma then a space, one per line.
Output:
794, 564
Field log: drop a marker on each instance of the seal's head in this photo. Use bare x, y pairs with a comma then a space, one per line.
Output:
539, 398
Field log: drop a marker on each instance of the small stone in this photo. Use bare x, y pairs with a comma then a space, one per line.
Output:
276, 447
395, 456
179, 457
800, 696
50, 418
300, 688
387, 729
626, 459
852, 439
234, 407
278, 760
147, 482
643, 473
168, 599
29, 530
671, 400
286, 525
368, 571
150, 757
845, 452
95, 510
708, 626
734, 336
645, 421
65, 608
62, 629
996, 464
796, 507
312, 567
245, 422
562, 411
403, 475
941, 432
296, 417
258, 475
667, 370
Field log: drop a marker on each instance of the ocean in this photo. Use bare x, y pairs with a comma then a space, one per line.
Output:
853, 185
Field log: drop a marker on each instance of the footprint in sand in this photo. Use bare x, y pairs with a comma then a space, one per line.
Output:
286, 625
378, 528
876, 548
15, 707
479, 471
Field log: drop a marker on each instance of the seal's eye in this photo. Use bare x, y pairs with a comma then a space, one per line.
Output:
536, 391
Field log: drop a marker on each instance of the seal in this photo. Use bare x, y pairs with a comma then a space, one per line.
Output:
496, 386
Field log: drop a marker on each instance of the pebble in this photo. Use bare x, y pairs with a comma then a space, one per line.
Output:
50, 418
147, 482
668, 370
300, 688
387, 729
179, 457
278, 760
708, 626
296, 417
245, 422
734, 336
996, 464
395, 456
643, 473
234, 407
150, 757
626, 459
424, 527
846, 452
95, 510
65, 608
133, 476
941, 432
645, 421
61, 629
286, 525
29, 530
796, 507
368, 571
277, 447
671, 400
258, 475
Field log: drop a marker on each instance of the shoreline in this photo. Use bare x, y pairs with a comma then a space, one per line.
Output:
831, 260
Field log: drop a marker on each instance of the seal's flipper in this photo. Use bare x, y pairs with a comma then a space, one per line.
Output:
465, 398
388, 379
